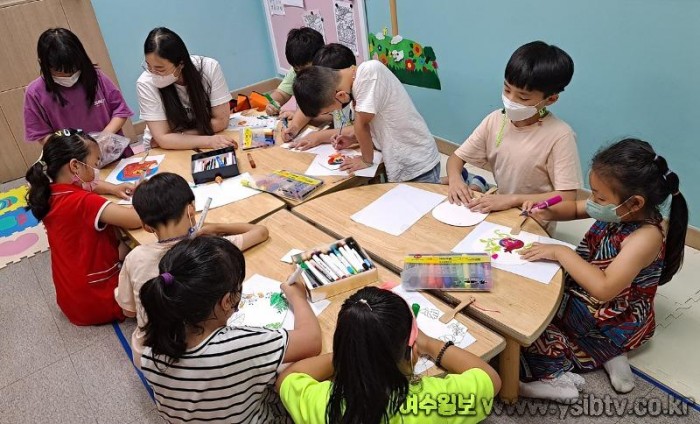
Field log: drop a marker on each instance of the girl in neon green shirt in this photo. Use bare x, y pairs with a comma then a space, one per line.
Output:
376, 344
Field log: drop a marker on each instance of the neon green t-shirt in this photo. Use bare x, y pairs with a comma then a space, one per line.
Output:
457, 398
287, 82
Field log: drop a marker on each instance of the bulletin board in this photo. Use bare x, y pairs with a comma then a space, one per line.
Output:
283, 15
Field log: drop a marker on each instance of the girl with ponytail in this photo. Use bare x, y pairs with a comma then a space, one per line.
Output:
200, 368
85, 258
369, 376
612, 277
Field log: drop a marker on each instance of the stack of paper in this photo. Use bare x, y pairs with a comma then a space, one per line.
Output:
229, 191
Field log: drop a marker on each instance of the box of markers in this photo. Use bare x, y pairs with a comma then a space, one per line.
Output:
216, 163
335, 268
461, 272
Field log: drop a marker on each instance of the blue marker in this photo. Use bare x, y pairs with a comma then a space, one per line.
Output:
220, 162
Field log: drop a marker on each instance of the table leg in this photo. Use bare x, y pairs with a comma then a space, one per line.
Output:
509, 370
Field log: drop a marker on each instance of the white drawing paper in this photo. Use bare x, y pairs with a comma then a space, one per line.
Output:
313, 19
262, 304
505, 249
239, 120
398, 209
229, 191
276, 7
321, 167
128, 170
293, 3
456, 215
345, 24
429, 322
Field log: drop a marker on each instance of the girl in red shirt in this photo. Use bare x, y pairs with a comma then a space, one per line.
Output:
85, 259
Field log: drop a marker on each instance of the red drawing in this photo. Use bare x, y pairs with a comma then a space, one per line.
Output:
510, 244
336, 159
134, 170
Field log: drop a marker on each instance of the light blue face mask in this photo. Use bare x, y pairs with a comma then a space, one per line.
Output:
605, 213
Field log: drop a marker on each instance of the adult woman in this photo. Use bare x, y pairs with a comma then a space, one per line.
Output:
183, 99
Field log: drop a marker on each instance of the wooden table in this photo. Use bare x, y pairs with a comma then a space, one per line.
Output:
250, 209
274, 158
524, 306
290, 232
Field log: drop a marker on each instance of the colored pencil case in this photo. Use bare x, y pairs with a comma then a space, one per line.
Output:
330, 269
463, 272
216, 163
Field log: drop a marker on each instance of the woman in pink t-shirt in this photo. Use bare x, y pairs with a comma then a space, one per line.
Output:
72, 93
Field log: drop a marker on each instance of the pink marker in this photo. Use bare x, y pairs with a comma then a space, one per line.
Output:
544, 205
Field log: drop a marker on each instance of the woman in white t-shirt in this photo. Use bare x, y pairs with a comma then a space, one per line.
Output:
183, 99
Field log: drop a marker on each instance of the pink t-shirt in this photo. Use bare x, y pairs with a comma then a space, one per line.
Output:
538, 158
44, 115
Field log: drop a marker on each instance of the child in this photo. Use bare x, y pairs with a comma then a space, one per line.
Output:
334, 56
369, 376
72, 93
385, 117
165, 204
200, 368
183, 99
531, 153
85, 258
608, 304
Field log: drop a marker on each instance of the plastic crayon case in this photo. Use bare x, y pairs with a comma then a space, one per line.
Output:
335, 268
216, 163
461, 272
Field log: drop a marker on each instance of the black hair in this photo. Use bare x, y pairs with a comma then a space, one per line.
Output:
202, 271
162, 199
315, 88
168, 45
61, 50
635, 169
58, 150
302, 45
335, 56
540, 66
371, 358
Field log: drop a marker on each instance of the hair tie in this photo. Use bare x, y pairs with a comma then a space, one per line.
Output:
676, 193
656, 158
364, 301
167, 278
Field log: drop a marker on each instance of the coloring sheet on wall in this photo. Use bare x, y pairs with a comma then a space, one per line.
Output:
345, 25
276, 7
313, 19
505, 249
129, 170
293, 3
262, 304
429, 322
229, 191
383, 214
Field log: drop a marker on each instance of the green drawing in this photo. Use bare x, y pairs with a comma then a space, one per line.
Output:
279, 303
412, 63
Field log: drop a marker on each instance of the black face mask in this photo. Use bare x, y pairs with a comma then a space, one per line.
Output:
344, 105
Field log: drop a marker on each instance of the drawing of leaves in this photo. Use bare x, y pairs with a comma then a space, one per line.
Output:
431, 313
274, 326
278, 302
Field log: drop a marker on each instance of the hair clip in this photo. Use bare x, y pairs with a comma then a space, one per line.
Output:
167, 278
364, 301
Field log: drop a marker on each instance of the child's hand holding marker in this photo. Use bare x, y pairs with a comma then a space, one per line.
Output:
540, 210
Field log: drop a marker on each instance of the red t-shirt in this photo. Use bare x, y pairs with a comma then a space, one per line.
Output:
84, 256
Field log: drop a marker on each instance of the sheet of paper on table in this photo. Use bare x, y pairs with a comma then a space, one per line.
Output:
129, 170
398, 209
429, 322
262, 304
229, 191
321, 167
505, 249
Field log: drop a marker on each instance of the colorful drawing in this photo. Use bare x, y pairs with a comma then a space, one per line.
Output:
262, 304
336, 159
21, 235
496, 240
411, 62
502, 242
132, 172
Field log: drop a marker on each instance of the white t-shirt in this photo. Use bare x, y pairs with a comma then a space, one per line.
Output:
151, 106
228, 378
398, 130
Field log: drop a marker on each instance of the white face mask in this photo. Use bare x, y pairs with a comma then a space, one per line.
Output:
162, 81
517, 112
67, 81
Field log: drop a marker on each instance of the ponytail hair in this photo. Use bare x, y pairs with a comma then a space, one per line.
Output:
168, 45
371, 358
634, 168
194, 275
60, 148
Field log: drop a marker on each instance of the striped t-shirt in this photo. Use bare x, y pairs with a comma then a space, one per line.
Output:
228, 378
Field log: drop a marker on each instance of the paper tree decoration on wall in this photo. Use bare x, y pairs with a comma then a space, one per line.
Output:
411, 62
